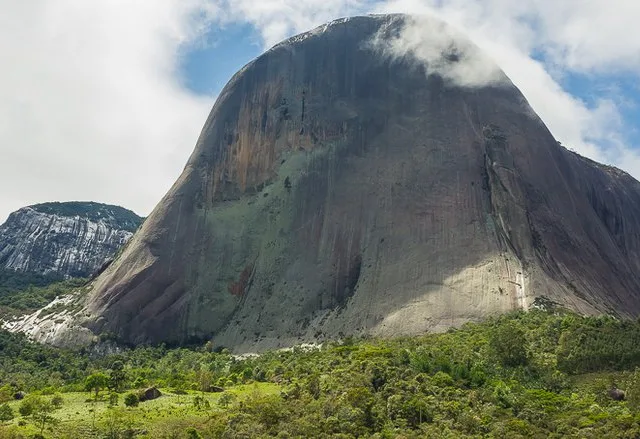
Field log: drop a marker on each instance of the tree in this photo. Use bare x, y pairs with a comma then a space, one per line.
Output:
96, 382
27, 405
117, 376
39, 409
139, 382
131, 400
313, 386
57, 400
6, 413
509, 344
117, 424
633, 390
113, 399
205, 378
42, 414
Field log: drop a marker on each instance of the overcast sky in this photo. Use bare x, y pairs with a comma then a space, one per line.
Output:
103, 100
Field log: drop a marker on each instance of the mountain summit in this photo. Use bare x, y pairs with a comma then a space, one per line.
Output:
377, 175
63, 240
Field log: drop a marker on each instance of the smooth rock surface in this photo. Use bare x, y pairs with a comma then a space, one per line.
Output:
336, 191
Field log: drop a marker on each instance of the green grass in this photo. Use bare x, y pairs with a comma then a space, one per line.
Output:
80, 412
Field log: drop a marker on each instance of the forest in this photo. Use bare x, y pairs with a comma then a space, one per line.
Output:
546, 373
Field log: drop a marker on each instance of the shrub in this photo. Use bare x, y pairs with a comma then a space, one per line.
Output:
442, 379
192, 433
201, 403
57, 400
6, 393
131, 400
225, 400
27, 406
6, 413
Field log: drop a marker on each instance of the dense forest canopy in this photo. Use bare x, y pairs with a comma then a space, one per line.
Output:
545, 373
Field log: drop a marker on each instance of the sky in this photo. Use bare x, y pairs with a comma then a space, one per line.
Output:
103, 100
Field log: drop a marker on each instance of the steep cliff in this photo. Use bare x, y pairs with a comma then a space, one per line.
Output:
64, 240
337, 189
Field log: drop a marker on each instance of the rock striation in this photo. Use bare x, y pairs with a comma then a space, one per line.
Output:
74, 239
340, 188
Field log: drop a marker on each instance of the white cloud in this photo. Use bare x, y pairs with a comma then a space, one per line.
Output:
598, 35
433, 43
594, 37
511, 32
90, 107
279, 19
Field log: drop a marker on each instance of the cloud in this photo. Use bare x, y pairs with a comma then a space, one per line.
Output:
90, 107
597, 35
276, 20
536, 42
512, 33
439, 48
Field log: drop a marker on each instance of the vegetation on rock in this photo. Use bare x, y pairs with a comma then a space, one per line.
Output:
114, 215
22, 293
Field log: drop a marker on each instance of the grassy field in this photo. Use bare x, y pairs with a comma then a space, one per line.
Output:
81, 416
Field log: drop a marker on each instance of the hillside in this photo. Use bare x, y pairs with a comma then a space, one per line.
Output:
542, 374
54, 241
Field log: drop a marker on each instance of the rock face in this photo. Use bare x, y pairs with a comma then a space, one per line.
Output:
335, 190
64, 239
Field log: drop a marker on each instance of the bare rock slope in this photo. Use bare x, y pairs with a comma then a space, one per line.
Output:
73, 239
337, 190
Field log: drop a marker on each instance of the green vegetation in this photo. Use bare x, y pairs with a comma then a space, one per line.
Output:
12, 282
96, 382
131, 400
524, 375
25, 293
115, 215
39, 409
6, 413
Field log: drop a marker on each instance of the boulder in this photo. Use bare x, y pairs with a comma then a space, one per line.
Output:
149, 394
617, 394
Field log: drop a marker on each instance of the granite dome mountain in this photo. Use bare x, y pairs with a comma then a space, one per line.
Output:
63, 240
344, 186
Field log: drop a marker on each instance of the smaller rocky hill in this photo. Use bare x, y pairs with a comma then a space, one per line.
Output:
64, 240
